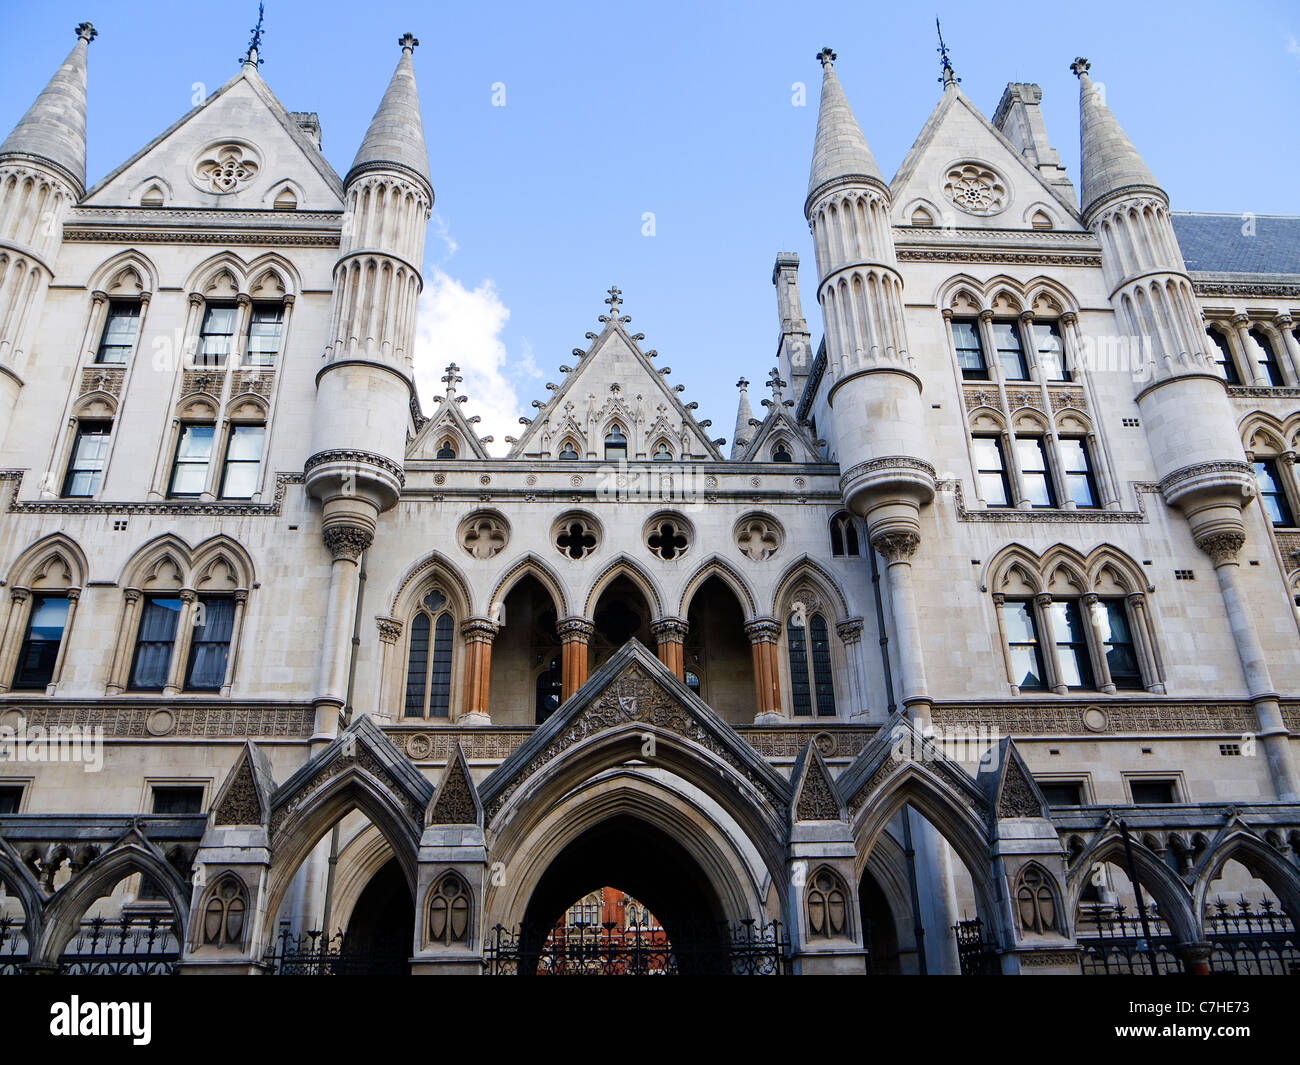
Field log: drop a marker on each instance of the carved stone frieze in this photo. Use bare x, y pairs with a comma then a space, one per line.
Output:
1119, 717
816, 800
455, 802
240, 805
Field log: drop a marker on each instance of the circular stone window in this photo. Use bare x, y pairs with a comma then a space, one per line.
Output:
483, 534
575, 535
668, 536
975, 189
759, 536
225, 167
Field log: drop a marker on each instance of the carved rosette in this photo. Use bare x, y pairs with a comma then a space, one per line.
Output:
347, 541
1222, 547
897, 546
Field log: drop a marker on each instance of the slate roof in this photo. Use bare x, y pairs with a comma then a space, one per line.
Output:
1216, 243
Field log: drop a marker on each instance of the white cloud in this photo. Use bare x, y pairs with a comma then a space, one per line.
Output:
462, 325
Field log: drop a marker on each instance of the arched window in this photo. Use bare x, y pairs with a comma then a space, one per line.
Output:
781, 453
428, 661
1035, 901
550, 690
223, 917
1227, 364
662, 452
449, 908
567, 452
844, 535
811, 682
692, 681
446, 450
828, 910
615, 444
1268, 358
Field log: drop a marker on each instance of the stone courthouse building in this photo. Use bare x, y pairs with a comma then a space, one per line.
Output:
974, 647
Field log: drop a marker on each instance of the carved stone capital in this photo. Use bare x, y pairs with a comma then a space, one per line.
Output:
188, 595
390, 629
1283, 321
669, 630
347, 541
986, 315
133, 595
1043, 599
479, 630
897, 546
1222, 546
196, 299
20, 595
1240, 319
947, 314
763, 630
575, 630
1069, 318
98, 298
849, 631
73, 594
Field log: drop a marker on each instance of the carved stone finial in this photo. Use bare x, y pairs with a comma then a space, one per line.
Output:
409, 42
615, 301
826, 57
1080, 67
452, 378
87, 32
742, 384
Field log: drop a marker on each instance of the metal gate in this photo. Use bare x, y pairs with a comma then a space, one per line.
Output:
747, 949
316, 954
976, 955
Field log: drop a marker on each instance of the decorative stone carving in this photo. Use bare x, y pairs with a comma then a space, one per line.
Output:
483, 535
827, 905
226, 168
975, 189
240, 805
1017, 798
1036, 906
575, 536
224, 914
896, 546
449, 910
816, 800
363, 759
759, 537
390, 629
455, 802
668, 536
1222, 546
347, 541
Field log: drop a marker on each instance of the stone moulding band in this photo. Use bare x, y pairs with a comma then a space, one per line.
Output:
172, 507
364, 458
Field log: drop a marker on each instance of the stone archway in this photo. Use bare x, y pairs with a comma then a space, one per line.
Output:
382, 923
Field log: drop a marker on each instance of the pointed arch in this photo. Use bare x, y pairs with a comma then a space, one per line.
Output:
217, 557
1049, 288
715, 566
1107, 565
281, 267
529, 565
106, 275
1015, 565
1062, 569
626, 567
18, 879
1263, 862
147, 561
1171, 895
805, 569
434, 565
204, 276
964, 288
133, 854
56, 558
1263, 434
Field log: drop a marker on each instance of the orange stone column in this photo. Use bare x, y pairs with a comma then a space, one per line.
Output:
575, 634
478, 634
670, 633
763, 634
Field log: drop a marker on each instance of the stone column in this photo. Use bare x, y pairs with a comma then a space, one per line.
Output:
850, 634
117, 677
345, 544
1047, 643
181, 645
763, 635
74, 597
1241, 322
390, 633
575, 635
1096, 642
13, 635
1222, 547
670, 634
897, 547
1152, 666
478, 634
1289, 341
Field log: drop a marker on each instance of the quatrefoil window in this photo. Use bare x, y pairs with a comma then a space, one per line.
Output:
483, 535
975, 189
226, 168
575, 537
667, 537
759, 538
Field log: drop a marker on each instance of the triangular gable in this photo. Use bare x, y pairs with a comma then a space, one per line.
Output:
614, 379
365, 747
891, 751
456, 801
920, 178
632, 688
780, 426
243, 109
245, 796
1010, 786
815, 796
446, 421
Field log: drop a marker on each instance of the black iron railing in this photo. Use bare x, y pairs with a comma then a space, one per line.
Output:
1117, 941
1250, 941
13, 947
125, 946
316, 954
746, 949
975, 954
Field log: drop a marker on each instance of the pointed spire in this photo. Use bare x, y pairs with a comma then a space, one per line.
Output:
1110, 162
840, 150
252, 58
949, 76
54, 128
396, 134
744, 415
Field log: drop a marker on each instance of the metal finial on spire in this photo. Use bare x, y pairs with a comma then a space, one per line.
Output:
949, 76
1080, 67
255, 41
826, 57
87, 32
409, 42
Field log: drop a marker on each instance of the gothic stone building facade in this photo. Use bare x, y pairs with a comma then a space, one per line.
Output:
990, 615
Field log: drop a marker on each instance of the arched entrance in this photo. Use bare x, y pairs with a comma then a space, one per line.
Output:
880, 932
647, 864
382, 926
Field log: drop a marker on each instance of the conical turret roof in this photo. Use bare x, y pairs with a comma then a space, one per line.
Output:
840, 149
396, 134
744, 415
1109, 160
54, 128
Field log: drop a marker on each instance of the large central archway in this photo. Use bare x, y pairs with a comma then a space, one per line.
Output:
645, 862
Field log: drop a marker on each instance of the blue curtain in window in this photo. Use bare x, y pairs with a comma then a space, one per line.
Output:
153, 648
210, 646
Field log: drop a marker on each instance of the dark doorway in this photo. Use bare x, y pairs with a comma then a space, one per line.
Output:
382, 927
880, 933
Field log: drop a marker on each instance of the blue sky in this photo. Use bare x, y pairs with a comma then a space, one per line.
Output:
683, 111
